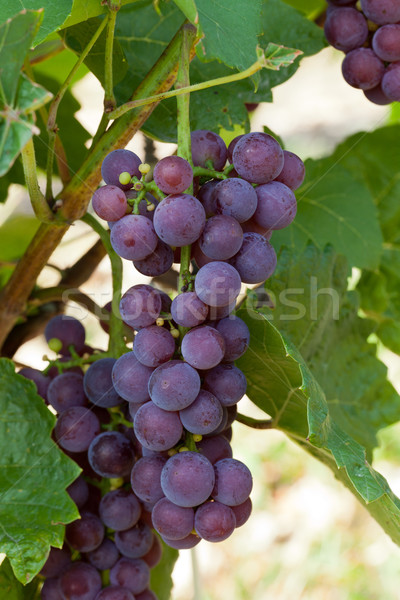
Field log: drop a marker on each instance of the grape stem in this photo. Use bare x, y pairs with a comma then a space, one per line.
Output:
109, 98
255, 423
39, 203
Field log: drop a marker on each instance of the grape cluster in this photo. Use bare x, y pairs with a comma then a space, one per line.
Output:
370, 38
169, 463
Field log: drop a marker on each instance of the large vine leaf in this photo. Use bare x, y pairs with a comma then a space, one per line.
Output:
82, 11
34, 474
311, 8
328, 404
11, 588
54, 14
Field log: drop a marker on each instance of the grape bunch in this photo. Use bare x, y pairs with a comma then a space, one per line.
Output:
370, 38
151, 429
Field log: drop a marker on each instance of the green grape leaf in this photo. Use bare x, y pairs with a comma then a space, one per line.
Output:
160, 575
54, 14
11, 588
15, 236
311, 8
189, 9
83, 11
313, 400
277, 57
34, 506
230, 33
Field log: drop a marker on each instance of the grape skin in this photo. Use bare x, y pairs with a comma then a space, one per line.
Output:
117, 162
386, 43
188, 310
362, 69
157, 263
174, 385
109, 203
134, 542
233, 482
184, 544
114, 592
131, 573
153, 346
293, 171
68, 330
80, 582
173, 174
75, 429
227, 383
256, 260
203, 416
217, 284
276, 206
130, 378
215, 448
104, 556
381, 12
140, 306
133, 237
146, 478
203, 347
65, 391
258, 157
98, 383
208, 146
391, 82
187, 479
111, 455
221, 238
157, 429
214, 521
179, 219
85, 534
346, 29
172, 521
119, 509
235, 198
236, 336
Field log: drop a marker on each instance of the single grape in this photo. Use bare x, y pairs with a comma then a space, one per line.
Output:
206, 196
233, 482
104, 556
362, 68
85, 534
68, 330
276, 206
258, 157
236, 198
51, 589
203, 347
217, 284
146, 478
154, 555
232, 145
140, 306
208, 147
117, 162
119, 509
80, 582
386, 43
157, 429
109, 203
381, 12
215, 313
215, 448
133, 237
199, 256
41, 381
227, 383
391, 82
172, 521
134, 542
186, 543
188, 310
242, 512
114, 592
75, 429
187, 479
293, 171
98, 383
251, 226
377, 96
57, 561
179, 219
111, 455
174, 385
131, 573
130, 378
236, 336
173, 174
79, 491
203, 416
346, 29
157, 263
221, 238
153, 346
66, 390
214, 521
256, 259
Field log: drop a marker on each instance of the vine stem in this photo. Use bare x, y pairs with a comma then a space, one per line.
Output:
109, 98
116, 345
255, 423
39, 203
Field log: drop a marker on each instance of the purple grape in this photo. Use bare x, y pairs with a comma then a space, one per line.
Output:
146, 595
146, 478
179, 219
203, 347
115, 592
391, 82
174, 385
85, 534
41, 381
251, 226
256, 259
98, 383
153, 346
57, 561
235, 198
154, 555
242, 512
111, 455
386, 43
134, 542
381, 12
215, 448
188, 310
233, 482
232, 145
199, 256
221, 238
68, 330
173, 175
119, 510
223, 425
346, 28
75, 429
214, 521
157, 429
130, 378
208, 146
377, 96
157, 263
109, 203
227, 383
117, 162
293, 172
215, 313
51, 590
203, 416
187, 479
172, 521
140, 306
236, 336
258, 157
80, 582
276, 206
79, 491
65, 391
217, 284
104, 556
362, 69
133, 237
207, 198
185, 544
131, 573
